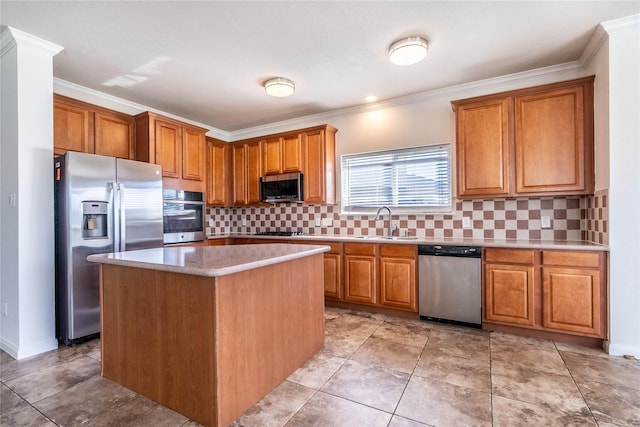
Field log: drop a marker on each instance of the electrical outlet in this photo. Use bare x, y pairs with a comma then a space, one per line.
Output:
327, 222
466, 222
5, 309
318, 222
12, 200
244, 222
545, 221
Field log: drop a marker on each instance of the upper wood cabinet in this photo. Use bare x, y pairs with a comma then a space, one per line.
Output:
311, 151
282, 154
79, 126
245, 172
319, 149
218, 172
178, 147
534, 141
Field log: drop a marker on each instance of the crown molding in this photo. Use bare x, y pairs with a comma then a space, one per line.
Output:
92, 96
480, 87
11, 37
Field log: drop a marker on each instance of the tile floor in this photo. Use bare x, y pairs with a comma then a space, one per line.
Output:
375, 370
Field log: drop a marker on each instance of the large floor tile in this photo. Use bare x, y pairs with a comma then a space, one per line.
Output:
136, 412
514, 413
84, 401
408, 332
53, 379
317, 370
10, 400
530, 353
610, 370
324, 410
552, 391
370, 385
342, 345
276, 408
24, 417
388, 354
463, 371
12, 368
613, 403
441, 404
460, 343
580, 349
397, 421
352, 326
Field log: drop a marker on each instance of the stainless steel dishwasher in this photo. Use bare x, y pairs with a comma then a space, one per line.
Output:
450, 284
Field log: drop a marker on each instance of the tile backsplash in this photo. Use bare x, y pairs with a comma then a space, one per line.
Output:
571, 218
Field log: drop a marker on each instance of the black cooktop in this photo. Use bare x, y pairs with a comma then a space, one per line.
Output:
279, 233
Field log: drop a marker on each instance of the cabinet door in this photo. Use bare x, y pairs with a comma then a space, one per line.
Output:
71, 129
114, 135
239, 189
509, 294
272, 156
254, 172
217, 173
193, 154
291, 154
168, 148
550, 142
332, 273
571, 300
314, 171
482, 148
398, 282
360, 279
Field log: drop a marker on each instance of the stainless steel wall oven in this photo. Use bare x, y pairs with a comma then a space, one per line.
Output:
183, 216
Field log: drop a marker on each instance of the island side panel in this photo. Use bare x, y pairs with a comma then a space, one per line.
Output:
270, 321
158, 337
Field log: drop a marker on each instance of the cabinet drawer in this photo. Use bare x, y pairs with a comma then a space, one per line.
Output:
360, 248
514, 256
571, 258
335, 246
407, 251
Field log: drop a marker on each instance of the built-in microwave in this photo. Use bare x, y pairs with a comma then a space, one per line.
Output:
183, 216
286, 187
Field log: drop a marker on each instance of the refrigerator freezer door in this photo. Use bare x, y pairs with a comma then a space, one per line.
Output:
83, 178
140, 189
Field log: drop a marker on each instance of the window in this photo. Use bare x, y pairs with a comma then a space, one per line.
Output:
414, 179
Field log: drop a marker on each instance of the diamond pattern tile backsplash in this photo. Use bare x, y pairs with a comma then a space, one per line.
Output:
571, 218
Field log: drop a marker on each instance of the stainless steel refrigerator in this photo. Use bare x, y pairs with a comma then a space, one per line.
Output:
102, 204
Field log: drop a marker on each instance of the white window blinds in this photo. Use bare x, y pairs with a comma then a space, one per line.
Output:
417, 177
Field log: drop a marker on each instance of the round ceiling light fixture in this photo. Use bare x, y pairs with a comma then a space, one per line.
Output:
279, 87
408, 51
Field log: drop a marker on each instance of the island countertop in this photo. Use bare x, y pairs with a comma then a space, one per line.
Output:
212, 261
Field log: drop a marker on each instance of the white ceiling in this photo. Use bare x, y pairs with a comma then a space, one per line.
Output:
206, 61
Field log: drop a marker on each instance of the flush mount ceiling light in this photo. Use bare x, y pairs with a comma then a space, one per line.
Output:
279, 87
408, 51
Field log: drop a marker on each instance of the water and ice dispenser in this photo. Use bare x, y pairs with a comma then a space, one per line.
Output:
94, 220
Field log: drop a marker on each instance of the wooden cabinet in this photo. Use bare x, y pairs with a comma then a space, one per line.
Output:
319, 147
332, 269
246, 170
360, 278
572, 292
282, 154
178, 147
382, 275
217, 172
509, 281
79, 126
547, 290
398, 276
534, 141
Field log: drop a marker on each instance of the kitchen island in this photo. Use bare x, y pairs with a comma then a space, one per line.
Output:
209, 331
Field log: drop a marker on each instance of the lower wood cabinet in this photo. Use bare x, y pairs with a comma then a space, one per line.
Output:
332, 270
547, 290
360, 278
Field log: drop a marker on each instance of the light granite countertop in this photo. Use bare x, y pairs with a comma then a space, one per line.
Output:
211, 261
580, 245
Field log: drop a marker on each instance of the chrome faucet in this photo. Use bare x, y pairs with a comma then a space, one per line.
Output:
378, 216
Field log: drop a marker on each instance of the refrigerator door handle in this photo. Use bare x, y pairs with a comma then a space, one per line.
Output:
113, 212
123, 219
